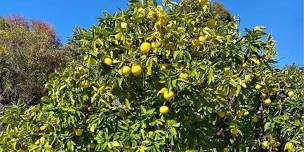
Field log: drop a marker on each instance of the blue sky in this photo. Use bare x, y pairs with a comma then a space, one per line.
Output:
283, 18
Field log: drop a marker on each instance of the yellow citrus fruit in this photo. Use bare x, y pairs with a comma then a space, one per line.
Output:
125, 70
108, 61
85, 84
244, 65
78, 132
234, 131
184, 76
226, 150
136, 70
118, 36
163, 90
222, 114
155, 44
265, 144
168, 95
145, 47
290, 94
143, 148
164, 109
289, 146
267, 101
211, 23
258, 87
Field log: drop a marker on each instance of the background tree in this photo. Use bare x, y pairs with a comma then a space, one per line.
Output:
172, 77
30, 51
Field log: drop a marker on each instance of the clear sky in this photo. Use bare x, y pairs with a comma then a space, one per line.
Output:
283, 18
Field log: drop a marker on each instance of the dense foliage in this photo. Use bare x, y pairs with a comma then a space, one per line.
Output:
29, 51
171, 77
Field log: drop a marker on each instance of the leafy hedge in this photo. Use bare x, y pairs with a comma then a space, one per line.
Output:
172, 77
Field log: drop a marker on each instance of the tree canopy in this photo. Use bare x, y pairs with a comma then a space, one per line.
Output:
170, 77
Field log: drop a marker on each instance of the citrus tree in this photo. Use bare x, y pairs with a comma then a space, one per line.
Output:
170, 77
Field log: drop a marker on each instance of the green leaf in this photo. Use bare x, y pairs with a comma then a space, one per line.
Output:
259, 28
71, 145
127, 104
210, 77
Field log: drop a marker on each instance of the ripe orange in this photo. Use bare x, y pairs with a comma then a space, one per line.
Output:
168, 95
163, 90
290, 94
164, 109
289, 146
125, 70
145, 47
108, 61
136, 70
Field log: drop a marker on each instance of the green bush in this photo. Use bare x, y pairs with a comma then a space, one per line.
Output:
29, 52
175, 77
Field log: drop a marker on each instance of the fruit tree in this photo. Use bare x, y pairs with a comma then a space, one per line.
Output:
170, 77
